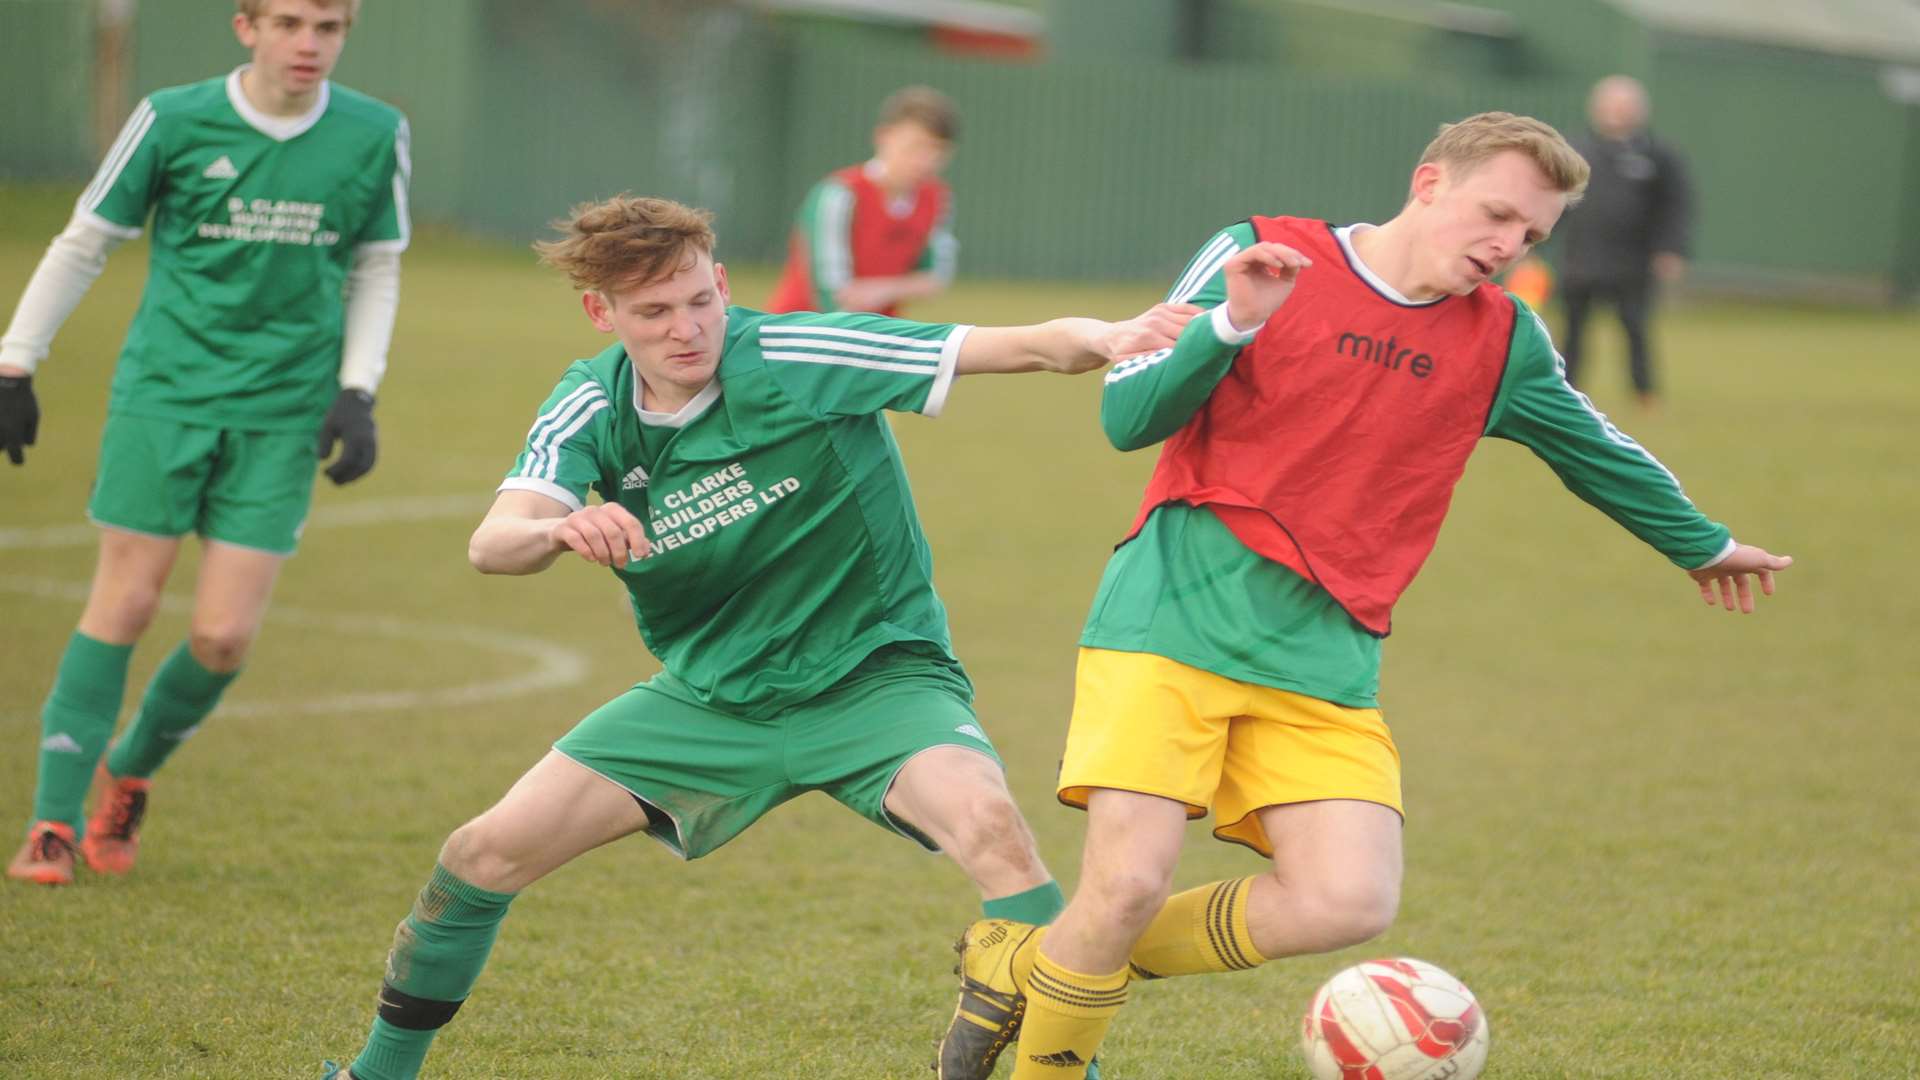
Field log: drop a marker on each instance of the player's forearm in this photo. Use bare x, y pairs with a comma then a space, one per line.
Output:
1070, 344
1608, 470
506, 544
914, 286
1151, 396
372, 300
68, 269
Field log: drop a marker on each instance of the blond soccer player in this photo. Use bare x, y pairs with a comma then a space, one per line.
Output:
1315, 421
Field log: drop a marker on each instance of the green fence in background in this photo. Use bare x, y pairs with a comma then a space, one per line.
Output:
1101, 171
46, 99
1802, 161
1068, 168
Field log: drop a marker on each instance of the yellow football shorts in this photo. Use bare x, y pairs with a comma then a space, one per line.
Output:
1142, 722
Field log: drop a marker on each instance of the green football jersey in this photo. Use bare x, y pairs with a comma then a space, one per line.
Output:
786, 547
255, 221
1188, 589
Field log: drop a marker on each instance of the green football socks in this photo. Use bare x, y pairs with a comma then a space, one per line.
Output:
1039, 905
76, 723
438, 951
181, 695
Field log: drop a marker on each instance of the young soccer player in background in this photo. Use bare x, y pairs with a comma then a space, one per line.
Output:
755, 508
279, 208
873, 236
1316, 421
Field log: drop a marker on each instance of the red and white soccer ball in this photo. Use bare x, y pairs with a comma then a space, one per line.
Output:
1396, 1019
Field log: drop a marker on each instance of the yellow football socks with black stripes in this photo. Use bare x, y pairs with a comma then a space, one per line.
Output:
1068, 1013
1199, 931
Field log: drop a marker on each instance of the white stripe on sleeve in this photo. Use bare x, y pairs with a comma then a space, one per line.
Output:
848, 361
849, 334
1614, 435
551, 466
117, 157
1203, 267
540, 436
1134, 365
832, 243
825, 348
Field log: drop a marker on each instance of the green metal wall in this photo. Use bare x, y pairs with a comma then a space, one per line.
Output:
1098, 171
1073, 167
1801, 159
579, 105
46, 49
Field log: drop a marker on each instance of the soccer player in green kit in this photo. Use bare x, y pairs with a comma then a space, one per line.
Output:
754, 505
279, 209
1315, 423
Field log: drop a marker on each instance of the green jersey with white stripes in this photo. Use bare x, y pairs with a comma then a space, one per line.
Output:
786, 547
1186, 588
255, 221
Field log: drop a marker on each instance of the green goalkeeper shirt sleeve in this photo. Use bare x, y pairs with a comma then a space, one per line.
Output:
1151, 396
1537, 408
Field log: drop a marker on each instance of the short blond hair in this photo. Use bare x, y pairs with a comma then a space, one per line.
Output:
627, 241
1467, 144
922, 106
251, 8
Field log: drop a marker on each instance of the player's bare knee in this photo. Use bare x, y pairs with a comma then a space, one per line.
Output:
123, 614
1131, 896
220, 648
475, 854
1353, 912
992, 827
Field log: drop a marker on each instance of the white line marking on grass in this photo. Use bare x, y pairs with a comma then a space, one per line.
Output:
538, 664
542, 664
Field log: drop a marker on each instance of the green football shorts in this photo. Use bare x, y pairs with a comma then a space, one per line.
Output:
713, 773
166, 478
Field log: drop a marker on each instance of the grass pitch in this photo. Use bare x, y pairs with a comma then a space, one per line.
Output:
1657, 840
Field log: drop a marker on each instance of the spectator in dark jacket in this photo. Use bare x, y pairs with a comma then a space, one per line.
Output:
1632, 230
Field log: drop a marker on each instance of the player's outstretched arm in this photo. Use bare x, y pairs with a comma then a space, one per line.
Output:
880, 293
1070, 346
1729, 577
526, 531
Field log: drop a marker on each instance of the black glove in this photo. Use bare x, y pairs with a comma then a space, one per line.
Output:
350, 422
19, 416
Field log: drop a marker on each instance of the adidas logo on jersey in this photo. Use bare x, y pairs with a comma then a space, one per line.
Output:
636, 478
61, 743
1065, 1059
221, 169
972, 731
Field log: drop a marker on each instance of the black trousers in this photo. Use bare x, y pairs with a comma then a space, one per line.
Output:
1633, 300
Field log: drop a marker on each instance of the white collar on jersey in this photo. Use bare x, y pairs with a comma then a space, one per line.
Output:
277, 128
897, 205
1345, 235
685, 414
681, 417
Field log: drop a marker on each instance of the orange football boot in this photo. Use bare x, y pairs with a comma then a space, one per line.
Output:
113, 832
47, 856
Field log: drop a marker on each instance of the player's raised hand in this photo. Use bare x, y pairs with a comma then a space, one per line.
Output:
606, 534
1259, 280
1158, 327
1728, 577
19, 415
350, 423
